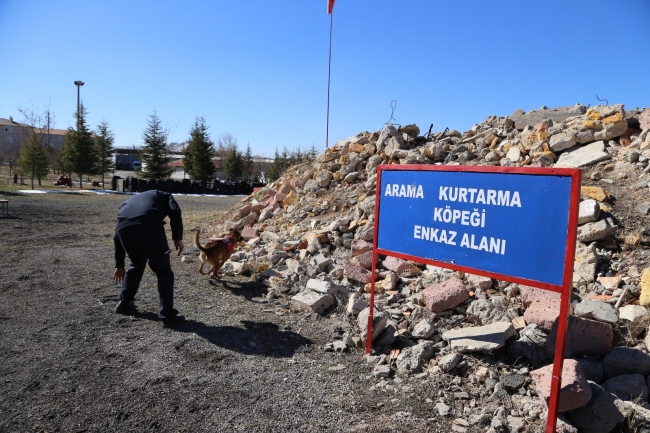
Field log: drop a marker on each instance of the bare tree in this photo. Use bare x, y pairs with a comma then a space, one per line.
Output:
223, 146
225, 143
41, 122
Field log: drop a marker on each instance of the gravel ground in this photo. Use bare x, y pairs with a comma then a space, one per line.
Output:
68, 363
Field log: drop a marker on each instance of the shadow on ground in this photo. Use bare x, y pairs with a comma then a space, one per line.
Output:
248, 289
255, 338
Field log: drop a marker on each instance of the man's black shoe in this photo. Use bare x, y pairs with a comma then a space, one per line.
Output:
175, 320
124, 307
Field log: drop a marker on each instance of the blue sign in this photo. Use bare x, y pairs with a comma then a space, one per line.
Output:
509, 224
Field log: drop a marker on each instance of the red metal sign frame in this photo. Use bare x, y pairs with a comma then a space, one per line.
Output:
564, 289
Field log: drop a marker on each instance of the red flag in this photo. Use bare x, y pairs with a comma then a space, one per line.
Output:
330, 6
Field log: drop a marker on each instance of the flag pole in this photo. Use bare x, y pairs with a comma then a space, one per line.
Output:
329, 69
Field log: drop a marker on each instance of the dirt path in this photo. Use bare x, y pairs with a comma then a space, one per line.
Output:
68, 363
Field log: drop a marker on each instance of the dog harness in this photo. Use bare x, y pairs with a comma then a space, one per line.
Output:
231, 244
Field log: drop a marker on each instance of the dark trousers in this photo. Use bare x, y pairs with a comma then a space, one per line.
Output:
144, 244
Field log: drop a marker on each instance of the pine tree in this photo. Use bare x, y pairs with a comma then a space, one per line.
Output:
79, 153
248, 164
312, 154
233, 165
198, 154
104, 142
153, 155
274, 170
33, 158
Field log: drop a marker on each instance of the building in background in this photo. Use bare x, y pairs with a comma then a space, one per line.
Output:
55, 138
12, 135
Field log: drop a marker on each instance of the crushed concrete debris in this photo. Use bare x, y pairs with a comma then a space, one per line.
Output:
309, 239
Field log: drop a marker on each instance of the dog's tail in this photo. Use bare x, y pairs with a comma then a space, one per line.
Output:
196, 241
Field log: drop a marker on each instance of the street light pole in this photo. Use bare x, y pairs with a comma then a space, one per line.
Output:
78, 83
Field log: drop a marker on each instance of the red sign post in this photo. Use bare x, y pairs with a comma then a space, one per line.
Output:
520, 202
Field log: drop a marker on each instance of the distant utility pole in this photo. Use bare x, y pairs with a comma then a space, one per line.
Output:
78, 83
330, 9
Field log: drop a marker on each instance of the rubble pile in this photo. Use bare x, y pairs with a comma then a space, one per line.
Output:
308, 237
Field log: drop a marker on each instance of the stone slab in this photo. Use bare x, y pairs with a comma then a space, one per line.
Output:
479, 338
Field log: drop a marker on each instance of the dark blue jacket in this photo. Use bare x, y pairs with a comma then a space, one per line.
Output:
148, 211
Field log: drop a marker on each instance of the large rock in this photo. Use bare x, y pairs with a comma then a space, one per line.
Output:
275, 256
387, 337
626, 360
531, 345
327, 287
580, 156
628, 387
597, 310
269, 237
356, 304
395, 142
597, 193
479, 338
533, 117
613, 129
596, 231
445, 295
588, 211
644, 119
600, 414
639, 416
412, 359
562, 141
574, 392
448, 362
486, 311
317, 302
386, 133
365, 233
367, 205
308, 175
323, 178
583, 337
423, 329
380, 319
635, 318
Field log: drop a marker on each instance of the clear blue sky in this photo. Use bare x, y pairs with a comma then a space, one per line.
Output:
257, 69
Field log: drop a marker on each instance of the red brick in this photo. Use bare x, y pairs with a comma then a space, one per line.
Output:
257, 208
583, 337
399, 266
249, 233
359, 247
575, 391
355, 272
445, 295
243, 211
286, 189
364, 260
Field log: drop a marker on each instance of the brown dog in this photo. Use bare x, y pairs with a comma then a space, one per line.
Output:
215, 253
